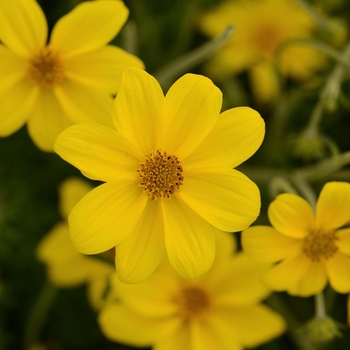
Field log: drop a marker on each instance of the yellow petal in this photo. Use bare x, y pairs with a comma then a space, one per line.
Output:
201, 337
256, 324
264, 243
344, 241
333, 206
152, 298
312, 283
84, 104
265, 81
338, 272
106, 215
89, 26
226, 198
288, 273
12, 69
120, 324
140, 110
235, 137
226, 245
189, 240
179, 338
47, 120
65, 266
16, 105
99, 152
242, 282
101, 69
141, 252
71, 191
193, 105
291, 215
219, 327
23, 26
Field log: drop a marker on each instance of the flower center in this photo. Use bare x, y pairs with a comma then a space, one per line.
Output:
46, 68
320, 245
161, 175
193, 302
266, 38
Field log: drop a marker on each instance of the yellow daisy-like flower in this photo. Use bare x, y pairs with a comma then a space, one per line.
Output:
66, 267
260, 27
220, 310
66, 81
309, 248
168, 172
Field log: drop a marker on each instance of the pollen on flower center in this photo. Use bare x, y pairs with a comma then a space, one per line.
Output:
46, 68
193, 302
266, 38
320, 245
161, 175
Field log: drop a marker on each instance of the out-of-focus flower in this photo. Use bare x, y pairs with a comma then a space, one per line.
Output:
219, 310
260, 28
168, 172
66, 81
322, 330
309, 248
66, 267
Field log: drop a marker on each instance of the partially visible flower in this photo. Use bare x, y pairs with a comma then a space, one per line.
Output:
66, 267
167, 165
66, 81
308, 248
219, 310
260, 28
322, 330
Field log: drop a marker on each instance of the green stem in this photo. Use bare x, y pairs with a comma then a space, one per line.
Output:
166, 75
38, 315
278, 185
320, 306
329, 95
305, 189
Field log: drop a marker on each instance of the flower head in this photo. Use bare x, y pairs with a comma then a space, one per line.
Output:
260, 28
308, 248
169, 185
66, 267
68, 80
219, 310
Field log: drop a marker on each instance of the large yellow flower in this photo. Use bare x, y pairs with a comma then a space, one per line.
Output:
66, 81
220, 310
66, 267
309, 249
260, 27
168, 172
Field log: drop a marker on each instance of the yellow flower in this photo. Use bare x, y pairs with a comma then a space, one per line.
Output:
169, 185
66, 267
260, 27
219, 310
309, 248
67, 81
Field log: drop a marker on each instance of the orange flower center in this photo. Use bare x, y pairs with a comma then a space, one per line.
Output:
266, 38
161, 175
320, 245
46, 68
194, 302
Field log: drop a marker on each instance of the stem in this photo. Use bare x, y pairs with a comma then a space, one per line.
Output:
305, 189
166, 75
329, 94
279, 185
320, 306
38, 315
